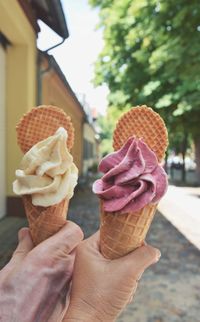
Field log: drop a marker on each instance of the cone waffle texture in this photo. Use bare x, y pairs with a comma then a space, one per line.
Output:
44, 221
38, 124
122, 233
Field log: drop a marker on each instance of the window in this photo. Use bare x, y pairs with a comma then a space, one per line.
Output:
88, 151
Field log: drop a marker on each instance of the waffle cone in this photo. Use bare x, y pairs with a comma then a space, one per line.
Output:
38, 124
45, 221
121, 233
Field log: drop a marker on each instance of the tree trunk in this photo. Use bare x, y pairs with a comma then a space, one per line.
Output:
197, 156
184, 149
166, 162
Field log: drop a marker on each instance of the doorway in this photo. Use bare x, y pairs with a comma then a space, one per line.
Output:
2, 131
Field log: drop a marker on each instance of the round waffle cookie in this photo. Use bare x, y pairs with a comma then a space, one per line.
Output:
142, 122
40, 123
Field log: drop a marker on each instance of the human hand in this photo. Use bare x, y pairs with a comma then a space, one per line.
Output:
101, 288
35, 284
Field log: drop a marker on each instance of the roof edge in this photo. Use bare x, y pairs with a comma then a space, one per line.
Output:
53, 63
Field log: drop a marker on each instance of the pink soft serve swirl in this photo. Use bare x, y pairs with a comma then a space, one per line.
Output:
132, 178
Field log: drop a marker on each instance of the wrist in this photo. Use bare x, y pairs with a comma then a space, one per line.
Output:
84, 318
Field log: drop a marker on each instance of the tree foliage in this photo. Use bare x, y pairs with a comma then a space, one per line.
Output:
152, 55
107, 126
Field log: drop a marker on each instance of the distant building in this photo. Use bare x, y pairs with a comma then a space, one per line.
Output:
29, 77
91, 137
90, 148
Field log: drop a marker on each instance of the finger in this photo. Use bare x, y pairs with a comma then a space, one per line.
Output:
136, 262
144, 243
25, 245
63, 242
131, 298
94, 239
92, 244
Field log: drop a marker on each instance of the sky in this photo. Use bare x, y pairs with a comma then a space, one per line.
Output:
76, 56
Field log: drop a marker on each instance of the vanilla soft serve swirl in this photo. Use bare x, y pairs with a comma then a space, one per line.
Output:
47, 171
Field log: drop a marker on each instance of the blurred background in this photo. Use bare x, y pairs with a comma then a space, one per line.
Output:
96, 59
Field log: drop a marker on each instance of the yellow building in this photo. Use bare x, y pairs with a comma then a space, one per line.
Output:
55, 90
18, 85
24, 83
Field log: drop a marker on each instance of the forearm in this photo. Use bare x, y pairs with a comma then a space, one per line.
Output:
28, 297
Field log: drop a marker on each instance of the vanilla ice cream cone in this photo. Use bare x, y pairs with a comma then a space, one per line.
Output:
37, 125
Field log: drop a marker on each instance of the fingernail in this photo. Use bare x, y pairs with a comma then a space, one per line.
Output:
21, 234
139, 276
130, 299
158, 255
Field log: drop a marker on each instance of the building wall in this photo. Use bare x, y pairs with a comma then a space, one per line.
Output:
55, 92
20, 78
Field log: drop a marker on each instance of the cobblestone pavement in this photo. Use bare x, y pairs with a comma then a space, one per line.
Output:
9, 227
168, 292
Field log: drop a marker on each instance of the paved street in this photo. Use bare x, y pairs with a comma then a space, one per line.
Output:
168, 292
181, 206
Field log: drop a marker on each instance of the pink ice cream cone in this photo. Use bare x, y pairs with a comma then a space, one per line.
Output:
132, 184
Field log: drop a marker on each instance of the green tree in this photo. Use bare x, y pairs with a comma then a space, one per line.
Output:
107, 126
152, 55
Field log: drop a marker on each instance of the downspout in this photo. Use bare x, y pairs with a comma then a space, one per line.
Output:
40, 73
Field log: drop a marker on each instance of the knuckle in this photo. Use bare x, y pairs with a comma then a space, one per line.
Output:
18, 252
75, 230
65, 250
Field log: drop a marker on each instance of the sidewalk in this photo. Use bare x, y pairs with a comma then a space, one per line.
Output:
181, 206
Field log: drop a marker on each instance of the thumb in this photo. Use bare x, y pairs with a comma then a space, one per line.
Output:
139, 260
25, 245
62, 243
